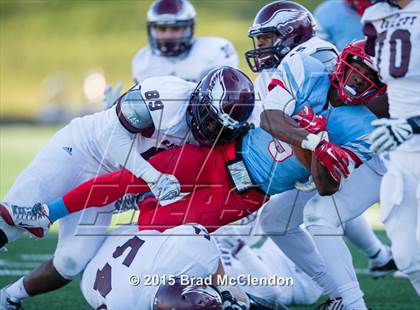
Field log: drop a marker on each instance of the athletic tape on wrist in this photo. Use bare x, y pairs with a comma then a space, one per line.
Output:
311, 142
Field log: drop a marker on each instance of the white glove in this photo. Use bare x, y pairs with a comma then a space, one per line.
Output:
389, 134
111, 95
163, 186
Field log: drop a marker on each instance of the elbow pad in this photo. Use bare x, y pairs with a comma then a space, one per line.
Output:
133, 113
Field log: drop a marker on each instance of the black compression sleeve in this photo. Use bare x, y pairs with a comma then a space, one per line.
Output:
414, 122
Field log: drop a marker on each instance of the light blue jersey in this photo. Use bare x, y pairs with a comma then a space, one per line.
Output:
338, 23
300, 80
349, 127
274, 167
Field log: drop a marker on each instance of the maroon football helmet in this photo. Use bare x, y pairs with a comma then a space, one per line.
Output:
292, 24
220, 106
183, 297
176, 13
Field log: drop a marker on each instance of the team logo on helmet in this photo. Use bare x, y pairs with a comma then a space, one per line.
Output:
220, 106
289, 24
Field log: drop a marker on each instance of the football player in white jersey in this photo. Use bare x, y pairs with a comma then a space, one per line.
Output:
393, 31
177, 269
172, 48
151, 116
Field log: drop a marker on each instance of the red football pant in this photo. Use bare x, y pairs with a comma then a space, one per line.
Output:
202, 172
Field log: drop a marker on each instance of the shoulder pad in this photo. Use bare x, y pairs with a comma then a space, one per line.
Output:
133, 113
327, 56
377, 12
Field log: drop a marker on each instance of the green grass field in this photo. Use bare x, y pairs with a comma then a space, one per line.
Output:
18, 145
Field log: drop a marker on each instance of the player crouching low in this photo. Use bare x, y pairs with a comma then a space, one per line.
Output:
179, 269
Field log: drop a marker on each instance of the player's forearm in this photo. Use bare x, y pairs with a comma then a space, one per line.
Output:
322, 178
281, 126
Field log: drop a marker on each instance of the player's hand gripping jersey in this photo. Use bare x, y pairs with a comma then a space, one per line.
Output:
147, 257
205, 54
394, 39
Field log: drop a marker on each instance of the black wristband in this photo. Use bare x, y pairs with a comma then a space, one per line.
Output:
414, 122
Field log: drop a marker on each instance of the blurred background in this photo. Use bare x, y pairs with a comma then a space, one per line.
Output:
63, 53
56, 58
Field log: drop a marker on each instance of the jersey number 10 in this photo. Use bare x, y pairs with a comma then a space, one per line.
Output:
403, 36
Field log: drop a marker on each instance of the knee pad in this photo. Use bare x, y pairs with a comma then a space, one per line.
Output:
69, 266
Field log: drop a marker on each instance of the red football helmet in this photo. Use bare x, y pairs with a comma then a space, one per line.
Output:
292, 24
183, 297
340, 77
220, 106
359, 5
177, 13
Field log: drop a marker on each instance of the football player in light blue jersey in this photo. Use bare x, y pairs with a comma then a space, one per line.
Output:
303, 81
338, 21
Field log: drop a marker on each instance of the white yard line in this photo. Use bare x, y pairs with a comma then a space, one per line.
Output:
35, 257
7, 263
14, 272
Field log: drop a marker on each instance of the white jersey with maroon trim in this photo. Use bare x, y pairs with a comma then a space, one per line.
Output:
102, 138
205, 54
128, 268
397, 48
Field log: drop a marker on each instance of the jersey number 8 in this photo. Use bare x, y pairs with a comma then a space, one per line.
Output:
154, 104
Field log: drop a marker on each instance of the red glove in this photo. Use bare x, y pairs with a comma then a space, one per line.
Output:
307, 119
334, 158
